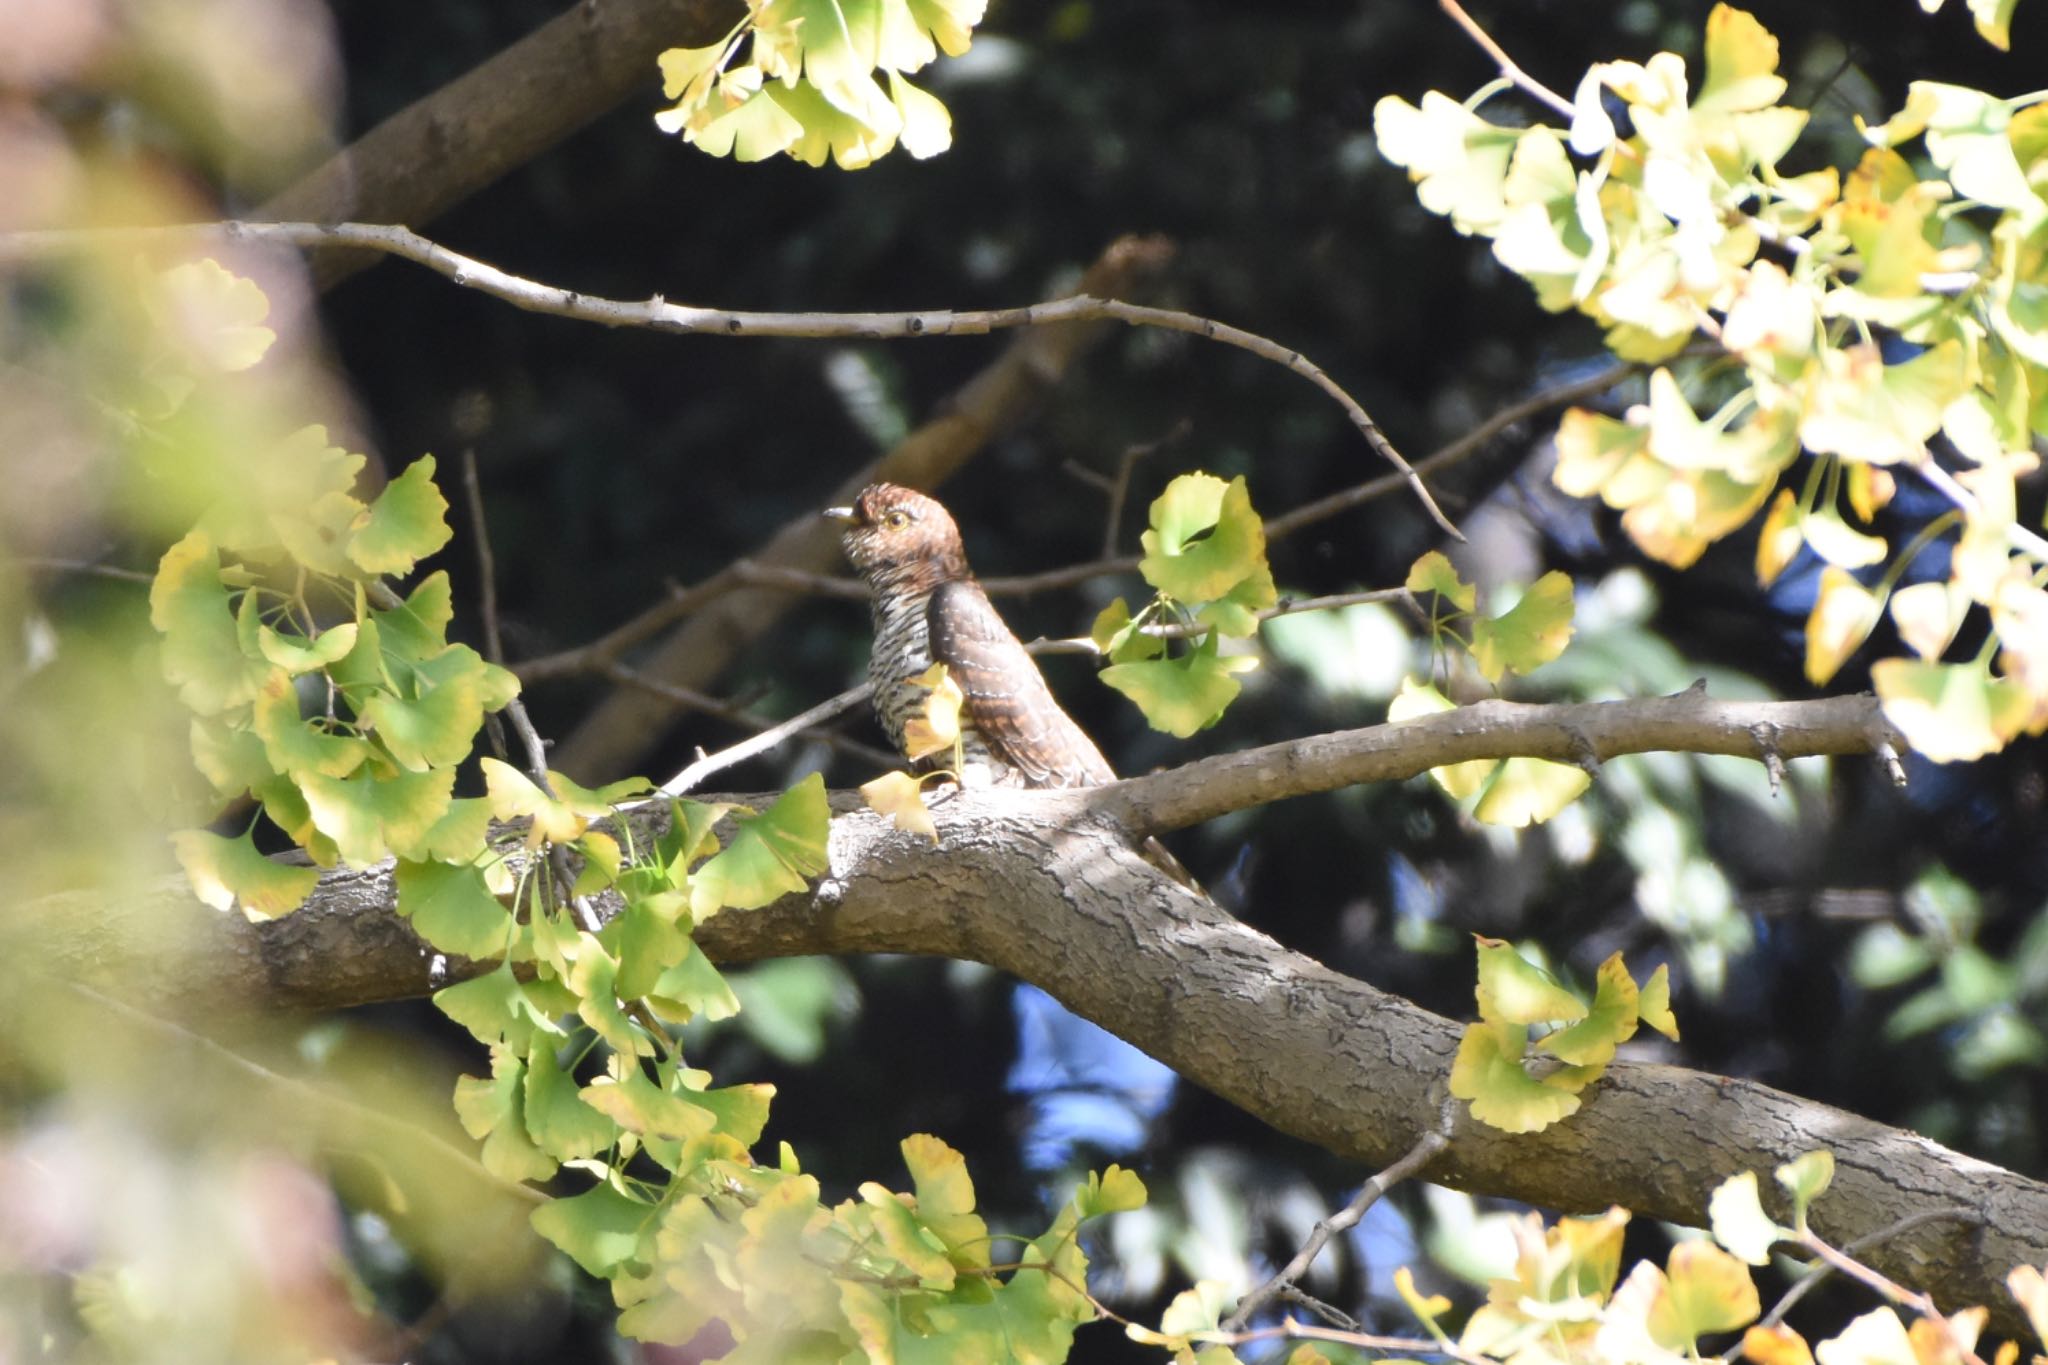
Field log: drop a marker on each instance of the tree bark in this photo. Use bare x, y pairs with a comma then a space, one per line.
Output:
1045, 886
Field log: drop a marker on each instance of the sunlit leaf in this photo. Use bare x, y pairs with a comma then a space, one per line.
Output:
1527, 791
1514, 990
1204, 538
600, 1229
1457, 160
561, 1123
1807, 1177
451, 907
1776, 1345
770, 855
1611, 1020
1185, 695
900, 796
1488, 1074
1736, 1214
214, 315
202, 651
1459, 780
1529, 634
1951, 713
1844, 613
1434, 573
935, 728
495, 1111
1653, 1003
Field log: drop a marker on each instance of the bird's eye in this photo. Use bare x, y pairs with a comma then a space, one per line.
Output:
897, 520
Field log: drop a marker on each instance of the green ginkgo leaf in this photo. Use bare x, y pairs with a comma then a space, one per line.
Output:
202, 650
1529, 634
495, 1111
407, 522
561, 1123
451, 907
226, 873
1204, 538
1514, 990
1185, 695
769, 856
600, 1229
1488, 1075
1611, 1022
1528, 791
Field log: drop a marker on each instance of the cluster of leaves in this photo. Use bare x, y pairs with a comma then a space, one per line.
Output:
347, 721
808, 86
1205, 554
1567, 1302
1491, 1071
1514, 791
344, 721
1868, 314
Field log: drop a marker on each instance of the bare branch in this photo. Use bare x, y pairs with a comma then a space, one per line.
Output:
661, 315
801, 723
1514, 73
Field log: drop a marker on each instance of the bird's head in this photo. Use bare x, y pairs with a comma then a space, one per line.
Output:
894, 532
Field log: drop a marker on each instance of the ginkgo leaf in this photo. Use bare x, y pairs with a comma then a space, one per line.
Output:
900, 796
1653, 1003
407, 522
1514, 990
1529, 634
769, 855
1736, 1214
1185, 695
202, 650
600, 1229
215, 314
1844, 613
1806, 1178
562, 1125
452, 908
296, 654
1204, 538
1488, 1075
1434, 573
1459, 780
934, 728
226, 873
1610, 1022
1951, 713
495, 1111
1527, 791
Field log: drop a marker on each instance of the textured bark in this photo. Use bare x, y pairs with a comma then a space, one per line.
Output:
496, 117
1044, 885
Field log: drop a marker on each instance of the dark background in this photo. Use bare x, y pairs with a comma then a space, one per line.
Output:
615, 461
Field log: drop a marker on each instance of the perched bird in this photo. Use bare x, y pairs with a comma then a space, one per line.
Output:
929, 608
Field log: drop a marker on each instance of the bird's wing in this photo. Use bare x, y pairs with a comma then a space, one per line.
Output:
1006, 698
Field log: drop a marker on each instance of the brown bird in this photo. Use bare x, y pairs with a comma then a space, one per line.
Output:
929, 608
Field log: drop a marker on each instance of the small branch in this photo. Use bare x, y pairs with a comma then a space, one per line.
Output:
802, 722
487, 574
82, 566
1426, 1147
1919, 1302
661, 315
1821, 1270
2019, 537
1187, 630
1507, 66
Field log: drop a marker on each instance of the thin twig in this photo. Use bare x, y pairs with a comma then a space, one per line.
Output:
1186, 630
1425, 1149
803, 721
1820, 1271
679, 603
1506, 63
1919, 1302
658, 313
82, 566
487, 574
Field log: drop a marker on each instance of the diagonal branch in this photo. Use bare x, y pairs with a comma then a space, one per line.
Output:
496, 117
1042, 885
658, 313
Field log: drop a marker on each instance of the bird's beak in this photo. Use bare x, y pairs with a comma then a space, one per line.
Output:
845, 516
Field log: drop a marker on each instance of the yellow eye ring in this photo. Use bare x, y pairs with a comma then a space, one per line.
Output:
896, 520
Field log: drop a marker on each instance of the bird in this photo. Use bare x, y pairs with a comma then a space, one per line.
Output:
928, 607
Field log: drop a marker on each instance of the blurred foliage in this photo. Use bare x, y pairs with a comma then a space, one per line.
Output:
1875, 949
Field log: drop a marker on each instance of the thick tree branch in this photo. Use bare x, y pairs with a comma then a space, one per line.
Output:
1044, 885
496, 117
